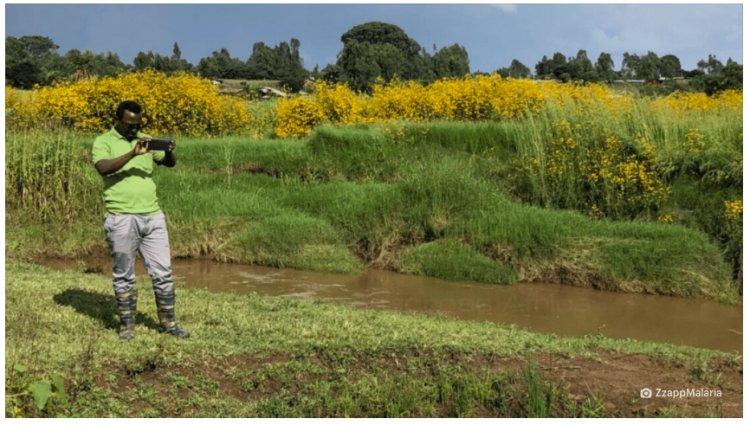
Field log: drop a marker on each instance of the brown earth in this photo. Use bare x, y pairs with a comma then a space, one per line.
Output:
614, 378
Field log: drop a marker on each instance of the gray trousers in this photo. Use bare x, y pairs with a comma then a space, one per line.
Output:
128, 233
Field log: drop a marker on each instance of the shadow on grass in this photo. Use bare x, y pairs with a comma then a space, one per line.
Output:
100, 307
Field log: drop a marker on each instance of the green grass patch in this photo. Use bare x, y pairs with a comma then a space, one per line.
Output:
252, 355
452, 260
357, 196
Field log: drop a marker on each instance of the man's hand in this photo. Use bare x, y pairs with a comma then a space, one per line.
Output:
140, 146
169, 159
109, 166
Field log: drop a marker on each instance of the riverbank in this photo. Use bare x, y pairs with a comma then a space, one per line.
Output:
425, 200
253, 355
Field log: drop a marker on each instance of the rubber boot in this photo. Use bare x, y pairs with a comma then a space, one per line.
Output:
126, 308
165, 311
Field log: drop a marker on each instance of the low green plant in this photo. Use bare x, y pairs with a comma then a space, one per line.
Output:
30, 395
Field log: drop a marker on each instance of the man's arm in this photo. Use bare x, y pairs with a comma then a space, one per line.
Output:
109, 166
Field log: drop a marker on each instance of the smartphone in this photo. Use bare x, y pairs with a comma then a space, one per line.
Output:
158, 144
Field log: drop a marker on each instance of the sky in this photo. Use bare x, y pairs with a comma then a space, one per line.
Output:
493, 34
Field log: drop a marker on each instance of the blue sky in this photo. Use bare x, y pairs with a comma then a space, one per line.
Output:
493, 35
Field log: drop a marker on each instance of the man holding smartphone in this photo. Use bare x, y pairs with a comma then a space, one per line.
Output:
134, 219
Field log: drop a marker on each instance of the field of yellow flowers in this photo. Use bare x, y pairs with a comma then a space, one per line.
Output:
189, 105
473, 99
181, 104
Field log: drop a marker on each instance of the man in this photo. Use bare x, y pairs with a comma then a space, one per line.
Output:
134, 220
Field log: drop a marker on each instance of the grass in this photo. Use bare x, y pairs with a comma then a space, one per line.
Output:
424, 199
260, 356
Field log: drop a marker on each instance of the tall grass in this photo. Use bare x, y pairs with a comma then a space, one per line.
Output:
49, 178
681, 142
387, 197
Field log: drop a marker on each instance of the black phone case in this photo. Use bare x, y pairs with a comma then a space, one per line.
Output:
158, 144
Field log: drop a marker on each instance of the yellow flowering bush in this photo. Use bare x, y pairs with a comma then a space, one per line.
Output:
470, 98
618, 179
399, 101
339, 104
680, 102
695, 141
19, 107
297, 116
178, 104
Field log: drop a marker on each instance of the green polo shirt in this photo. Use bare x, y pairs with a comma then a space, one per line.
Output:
130, 190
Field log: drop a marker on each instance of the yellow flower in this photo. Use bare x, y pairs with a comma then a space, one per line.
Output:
666, 218
732, 209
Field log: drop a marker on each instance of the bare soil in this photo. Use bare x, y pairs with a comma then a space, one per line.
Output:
615, 378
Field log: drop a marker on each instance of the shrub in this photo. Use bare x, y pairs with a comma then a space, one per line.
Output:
179, 104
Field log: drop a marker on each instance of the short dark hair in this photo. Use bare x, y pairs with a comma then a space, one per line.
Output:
127, 105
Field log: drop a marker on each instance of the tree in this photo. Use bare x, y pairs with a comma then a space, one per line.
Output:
649, 69
712, 66
630, 65
543, 68
563, 72
332, 73
669, 66
157, 62
291, 71
450, 61
605, 67
359, 64
643, 67
28, 60
720, 77
378, 49
515, 70
261, 64
176, 63
38, 47
559, 67
176, 52
731, 75
581, 67
221, 65
282, 63
23, 74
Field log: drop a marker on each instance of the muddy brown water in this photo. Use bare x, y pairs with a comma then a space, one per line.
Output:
537, 307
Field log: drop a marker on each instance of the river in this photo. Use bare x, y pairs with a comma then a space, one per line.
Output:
537, 307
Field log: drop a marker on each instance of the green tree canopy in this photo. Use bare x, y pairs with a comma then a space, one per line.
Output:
221, 65
282, 63
162, 63
452, 61
28, 60
378, 49
719, 77
515, 70
605, 67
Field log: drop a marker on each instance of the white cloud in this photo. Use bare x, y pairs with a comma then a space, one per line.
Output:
507, 8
